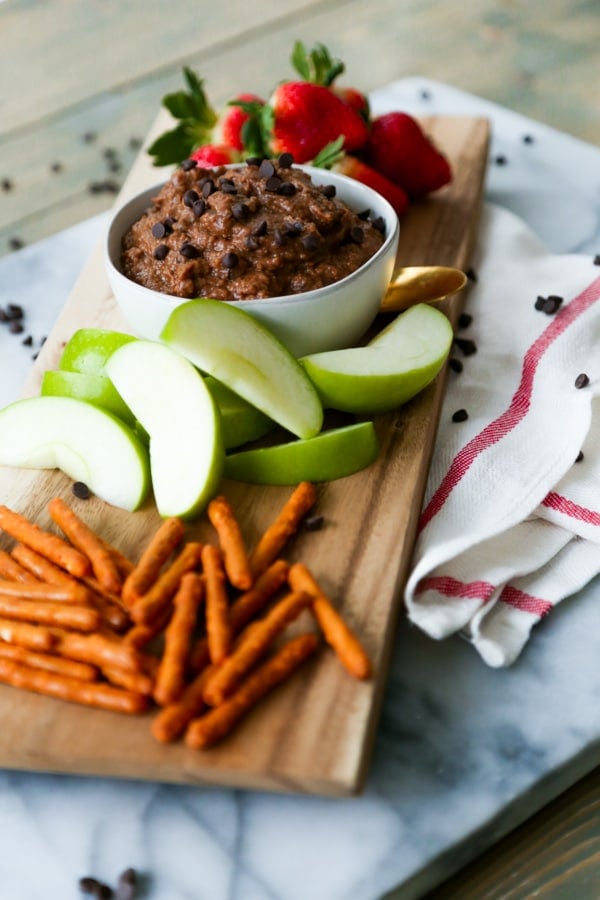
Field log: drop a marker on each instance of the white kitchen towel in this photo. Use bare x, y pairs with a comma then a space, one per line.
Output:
505, 496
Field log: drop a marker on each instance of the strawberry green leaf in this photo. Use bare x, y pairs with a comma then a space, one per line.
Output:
196, 120
179, 104
171, 147
330, 154
316, 65
257, 130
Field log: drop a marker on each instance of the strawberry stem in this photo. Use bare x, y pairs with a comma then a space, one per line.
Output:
196, 120
331, 154
316, 65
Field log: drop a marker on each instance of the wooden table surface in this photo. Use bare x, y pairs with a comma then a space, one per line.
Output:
81, 83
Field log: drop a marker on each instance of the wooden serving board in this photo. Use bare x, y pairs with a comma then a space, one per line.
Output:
315, 733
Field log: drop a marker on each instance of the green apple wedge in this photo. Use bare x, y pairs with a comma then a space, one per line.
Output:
234, 348
85, 442
240, 421
88, 349
168, 396
403, 359
96, 389
330, 455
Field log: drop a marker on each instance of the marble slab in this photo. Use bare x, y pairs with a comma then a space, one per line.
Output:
463, 753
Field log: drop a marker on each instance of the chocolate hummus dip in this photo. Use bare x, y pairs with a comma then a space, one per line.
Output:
262, 230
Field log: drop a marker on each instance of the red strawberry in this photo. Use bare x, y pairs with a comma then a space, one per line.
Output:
308, 116
211, 155
353, 97
228, 129
355, 168
400, 150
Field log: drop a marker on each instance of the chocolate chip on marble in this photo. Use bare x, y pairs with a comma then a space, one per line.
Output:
109, 153
15, 327
266, 169
7, 184
424, 94
188, 164
286, 189
579, 457
28, 341
500, 159
528, 139
135, 143
189, 251
329, 191
230, 260
461, 415
82, 491
455, 364
467, 346
56, 167
89, 137
357, 235
286, 161
3, 316
582, 380
14, 311
273, 183
114, 165
127, 885
464, 320
190, 197
15, 243
161, 252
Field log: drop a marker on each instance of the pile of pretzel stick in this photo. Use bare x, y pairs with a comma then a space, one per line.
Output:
197, 630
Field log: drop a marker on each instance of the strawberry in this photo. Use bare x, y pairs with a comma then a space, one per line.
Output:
354, 98
320, 67
308, 116
210, 155
355, 168
229, 128
400, 150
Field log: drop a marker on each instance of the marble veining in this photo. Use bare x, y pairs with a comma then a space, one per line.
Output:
463, 752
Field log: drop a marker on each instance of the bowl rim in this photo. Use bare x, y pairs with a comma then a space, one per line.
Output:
289, 300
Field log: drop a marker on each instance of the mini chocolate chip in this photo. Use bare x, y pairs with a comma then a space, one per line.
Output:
286, 161
35, 356
357, 234
188, 164
364, 215
89, 137
190, 197
467, 346
110, 187
168, 223
158, 230
527, 139
464, 320
43, 340
15, 327
109, 153
278, 238
313, 523
251, 243
310, 242
471, 275
287, 189
500, 160
539, 303
266, 169
293, 229
455, 364
15, 243
56, 167
582, 380
199, 208
7, 184
127, 885
189, 251
460, 415
81, 490
579, 456
552, 304
161, 252
597, 259
254, 160
227, 186
230, 260
260, 229
425, 95
104, 892
28, 341
114, 166
88, 884
14, 311
379, 224
208, 188
3, 316
272, 183
329, 191
240, 211
135, 143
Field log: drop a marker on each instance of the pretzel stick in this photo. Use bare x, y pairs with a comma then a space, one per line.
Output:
68, 667
218, 628
163, 543
96, 649
275, 537
123, 564
49, 573
138, 682
141, 635
216, 724
103, 696
39, 590
33, 637
172, 720
160, 595
336, 632
108, 605
253, 645
235, 558
170, 680
11, 569
84, 539
245, 608
41, 612
49, 545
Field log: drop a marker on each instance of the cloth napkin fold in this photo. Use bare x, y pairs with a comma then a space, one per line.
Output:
511, 522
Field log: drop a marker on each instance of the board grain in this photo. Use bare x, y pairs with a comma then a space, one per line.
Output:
315, 733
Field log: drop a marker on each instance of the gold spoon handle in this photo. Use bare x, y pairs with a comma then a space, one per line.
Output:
421, 284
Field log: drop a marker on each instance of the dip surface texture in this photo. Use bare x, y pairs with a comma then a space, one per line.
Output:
263, 230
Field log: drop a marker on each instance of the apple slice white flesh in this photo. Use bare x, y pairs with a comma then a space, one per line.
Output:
88, 349
169, 398
330, 455
234, 348
96, 389
240, 421
85, 442
403, 359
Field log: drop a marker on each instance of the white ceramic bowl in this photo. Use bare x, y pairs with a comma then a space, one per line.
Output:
328, 318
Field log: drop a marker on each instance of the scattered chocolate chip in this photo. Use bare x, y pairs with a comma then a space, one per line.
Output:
56, 167
464, 320
104, 892
287, 189
188, 164
89, 137
582, 380
3, 316
455, 364
273, 183
135, 143
286, 161
500, 160
579, 456
357, 235
379, 224
552, 304
471, 275
88, 884
114, 165
597, 259
28, 341
266, 169
278, 238
425, 95
43, 341
208, 188
461, 415
199, 208
81, 490
329, 191
230, 260
539, 303
467, 346
310, 242
227, 186
158, 230
127, 885
190, 197
528, 139
364, 215
161, 252
14, 311
251, 243
313, 523
240, 211
109, 153
254, 160
189, 251
103, 187
15, 327
7, 184
15, 243
35, 356
260, 229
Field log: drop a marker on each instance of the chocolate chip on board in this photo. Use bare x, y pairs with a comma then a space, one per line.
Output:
582, 380
467, 346
464, 320
81, 490
313, 523
461, 415
455, 364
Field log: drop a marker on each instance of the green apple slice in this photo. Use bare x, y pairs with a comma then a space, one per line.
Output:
168, 396
240, 421
403, 359
96, 389
88, 349
85, 442
330, 455
234, 348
